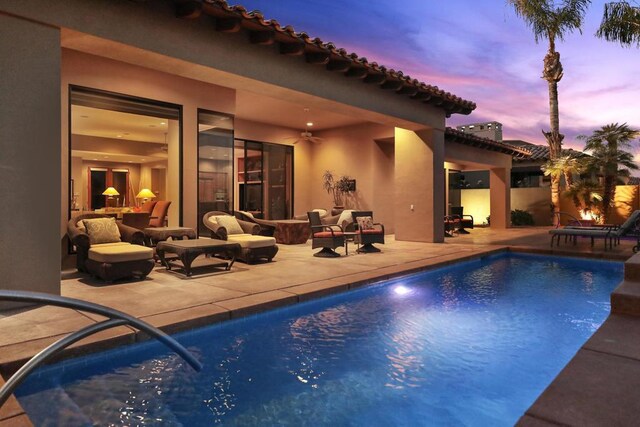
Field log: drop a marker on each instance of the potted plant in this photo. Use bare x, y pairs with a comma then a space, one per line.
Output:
330, 185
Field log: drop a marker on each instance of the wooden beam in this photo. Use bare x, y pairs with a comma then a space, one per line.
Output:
318, 58
357, 72
188, 9
228, 25
375, 78
392, 84
408, 90
262, 37
293, 49
339, 65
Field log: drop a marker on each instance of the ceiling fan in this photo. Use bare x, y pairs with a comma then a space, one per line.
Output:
306, 135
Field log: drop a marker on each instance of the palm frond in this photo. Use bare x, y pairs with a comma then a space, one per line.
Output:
620, 23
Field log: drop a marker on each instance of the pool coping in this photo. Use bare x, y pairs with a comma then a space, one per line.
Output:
208, 314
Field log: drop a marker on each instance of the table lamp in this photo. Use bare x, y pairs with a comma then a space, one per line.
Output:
110, 192
145, 194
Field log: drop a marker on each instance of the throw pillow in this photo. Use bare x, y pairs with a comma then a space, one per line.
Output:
321, 212
345, 218
102, 230
230, 223
365, 223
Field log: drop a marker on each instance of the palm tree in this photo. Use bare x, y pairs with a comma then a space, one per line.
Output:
610, 159
621, 23
567, 165
551, 21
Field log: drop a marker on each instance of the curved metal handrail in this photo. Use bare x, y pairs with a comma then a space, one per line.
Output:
116, 318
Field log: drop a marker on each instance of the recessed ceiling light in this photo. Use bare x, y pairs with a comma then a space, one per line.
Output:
130, 161
163, 123
226, 155
211, 158
119, 136
94, 159
106, 157
309, 123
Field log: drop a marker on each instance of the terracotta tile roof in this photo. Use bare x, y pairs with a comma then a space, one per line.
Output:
268, 31
538, 152
633, 180
454, 135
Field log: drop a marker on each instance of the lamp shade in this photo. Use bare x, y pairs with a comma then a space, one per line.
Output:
145, 193
110, 191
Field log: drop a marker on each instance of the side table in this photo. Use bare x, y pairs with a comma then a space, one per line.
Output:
291, 231
350, 236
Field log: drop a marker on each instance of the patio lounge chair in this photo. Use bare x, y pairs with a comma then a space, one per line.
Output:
120, 256
327, 237
253, 246
611, 235
266, 228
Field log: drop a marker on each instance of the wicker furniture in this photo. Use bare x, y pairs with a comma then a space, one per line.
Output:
253, 246
160, 234
466, 221
327, 237
367, 237
111, 261
266, 227
188, 250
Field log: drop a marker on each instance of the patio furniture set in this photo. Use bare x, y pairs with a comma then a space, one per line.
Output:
112, 250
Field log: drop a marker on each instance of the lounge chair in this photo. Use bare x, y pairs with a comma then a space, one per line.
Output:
253, 246
327, 237
267, 228
611, 235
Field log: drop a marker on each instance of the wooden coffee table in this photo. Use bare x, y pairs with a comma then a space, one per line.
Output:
188, 250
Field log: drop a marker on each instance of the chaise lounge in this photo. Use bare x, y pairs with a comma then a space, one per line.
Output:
253, 246
611, 235
108, 249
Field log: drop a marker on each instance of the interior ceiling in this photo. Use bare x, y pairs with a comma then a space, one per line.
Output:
113, 124
263, 109
117, 158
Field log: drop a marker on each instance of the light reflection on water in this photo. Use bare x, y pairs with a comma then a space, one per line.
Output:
468, 345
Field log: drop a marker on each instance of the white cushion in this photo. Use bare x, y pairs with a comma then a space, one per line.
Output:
119, 253
250, 241
345, 218
102, 230
230, 223
321, 212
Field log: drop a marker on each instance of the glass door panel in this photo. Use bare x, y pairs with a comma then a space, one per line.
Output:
278, 166
97, 185
215, 165
120, 181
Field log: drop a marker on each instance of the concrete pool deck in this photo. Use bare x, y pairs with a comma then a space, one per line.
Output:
174, 303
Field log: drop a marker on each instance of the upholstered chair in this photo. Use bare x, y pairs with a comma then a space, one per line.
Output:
368, 232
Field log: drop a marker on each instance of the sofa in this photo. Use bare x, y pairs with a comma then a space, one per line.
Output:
121, 255
253, 246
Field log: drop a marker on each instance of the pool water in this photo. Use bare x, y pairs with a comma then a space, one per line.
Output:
471, 344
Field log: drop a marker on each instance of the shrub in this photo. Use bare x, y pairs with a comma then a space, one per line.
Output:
520, 217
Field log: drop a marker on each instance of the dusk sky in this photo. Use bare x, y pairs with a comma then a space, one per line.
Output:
481, 51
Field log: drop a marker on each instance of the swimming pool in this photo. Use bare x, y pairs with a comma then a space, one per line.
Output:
470, 344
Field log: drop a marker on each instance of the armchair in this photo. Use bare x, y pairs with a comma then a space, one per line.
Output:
368, 232
266, 227
466, 221
253, 246
159, 213
110, 261
327, 237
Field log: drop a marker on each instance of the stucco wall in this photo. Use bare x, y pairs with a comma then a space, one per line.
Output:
29, 153
533, 200
625, 202
354, 151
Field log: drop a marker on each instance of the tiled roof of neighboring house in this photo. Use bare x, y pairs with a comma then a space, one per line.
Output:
454, 135
231, 19
538, 152
633, 180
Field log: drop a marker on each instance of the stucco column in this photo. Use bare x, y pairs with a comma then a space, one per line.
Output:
30, 156
500, 197
419, 185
